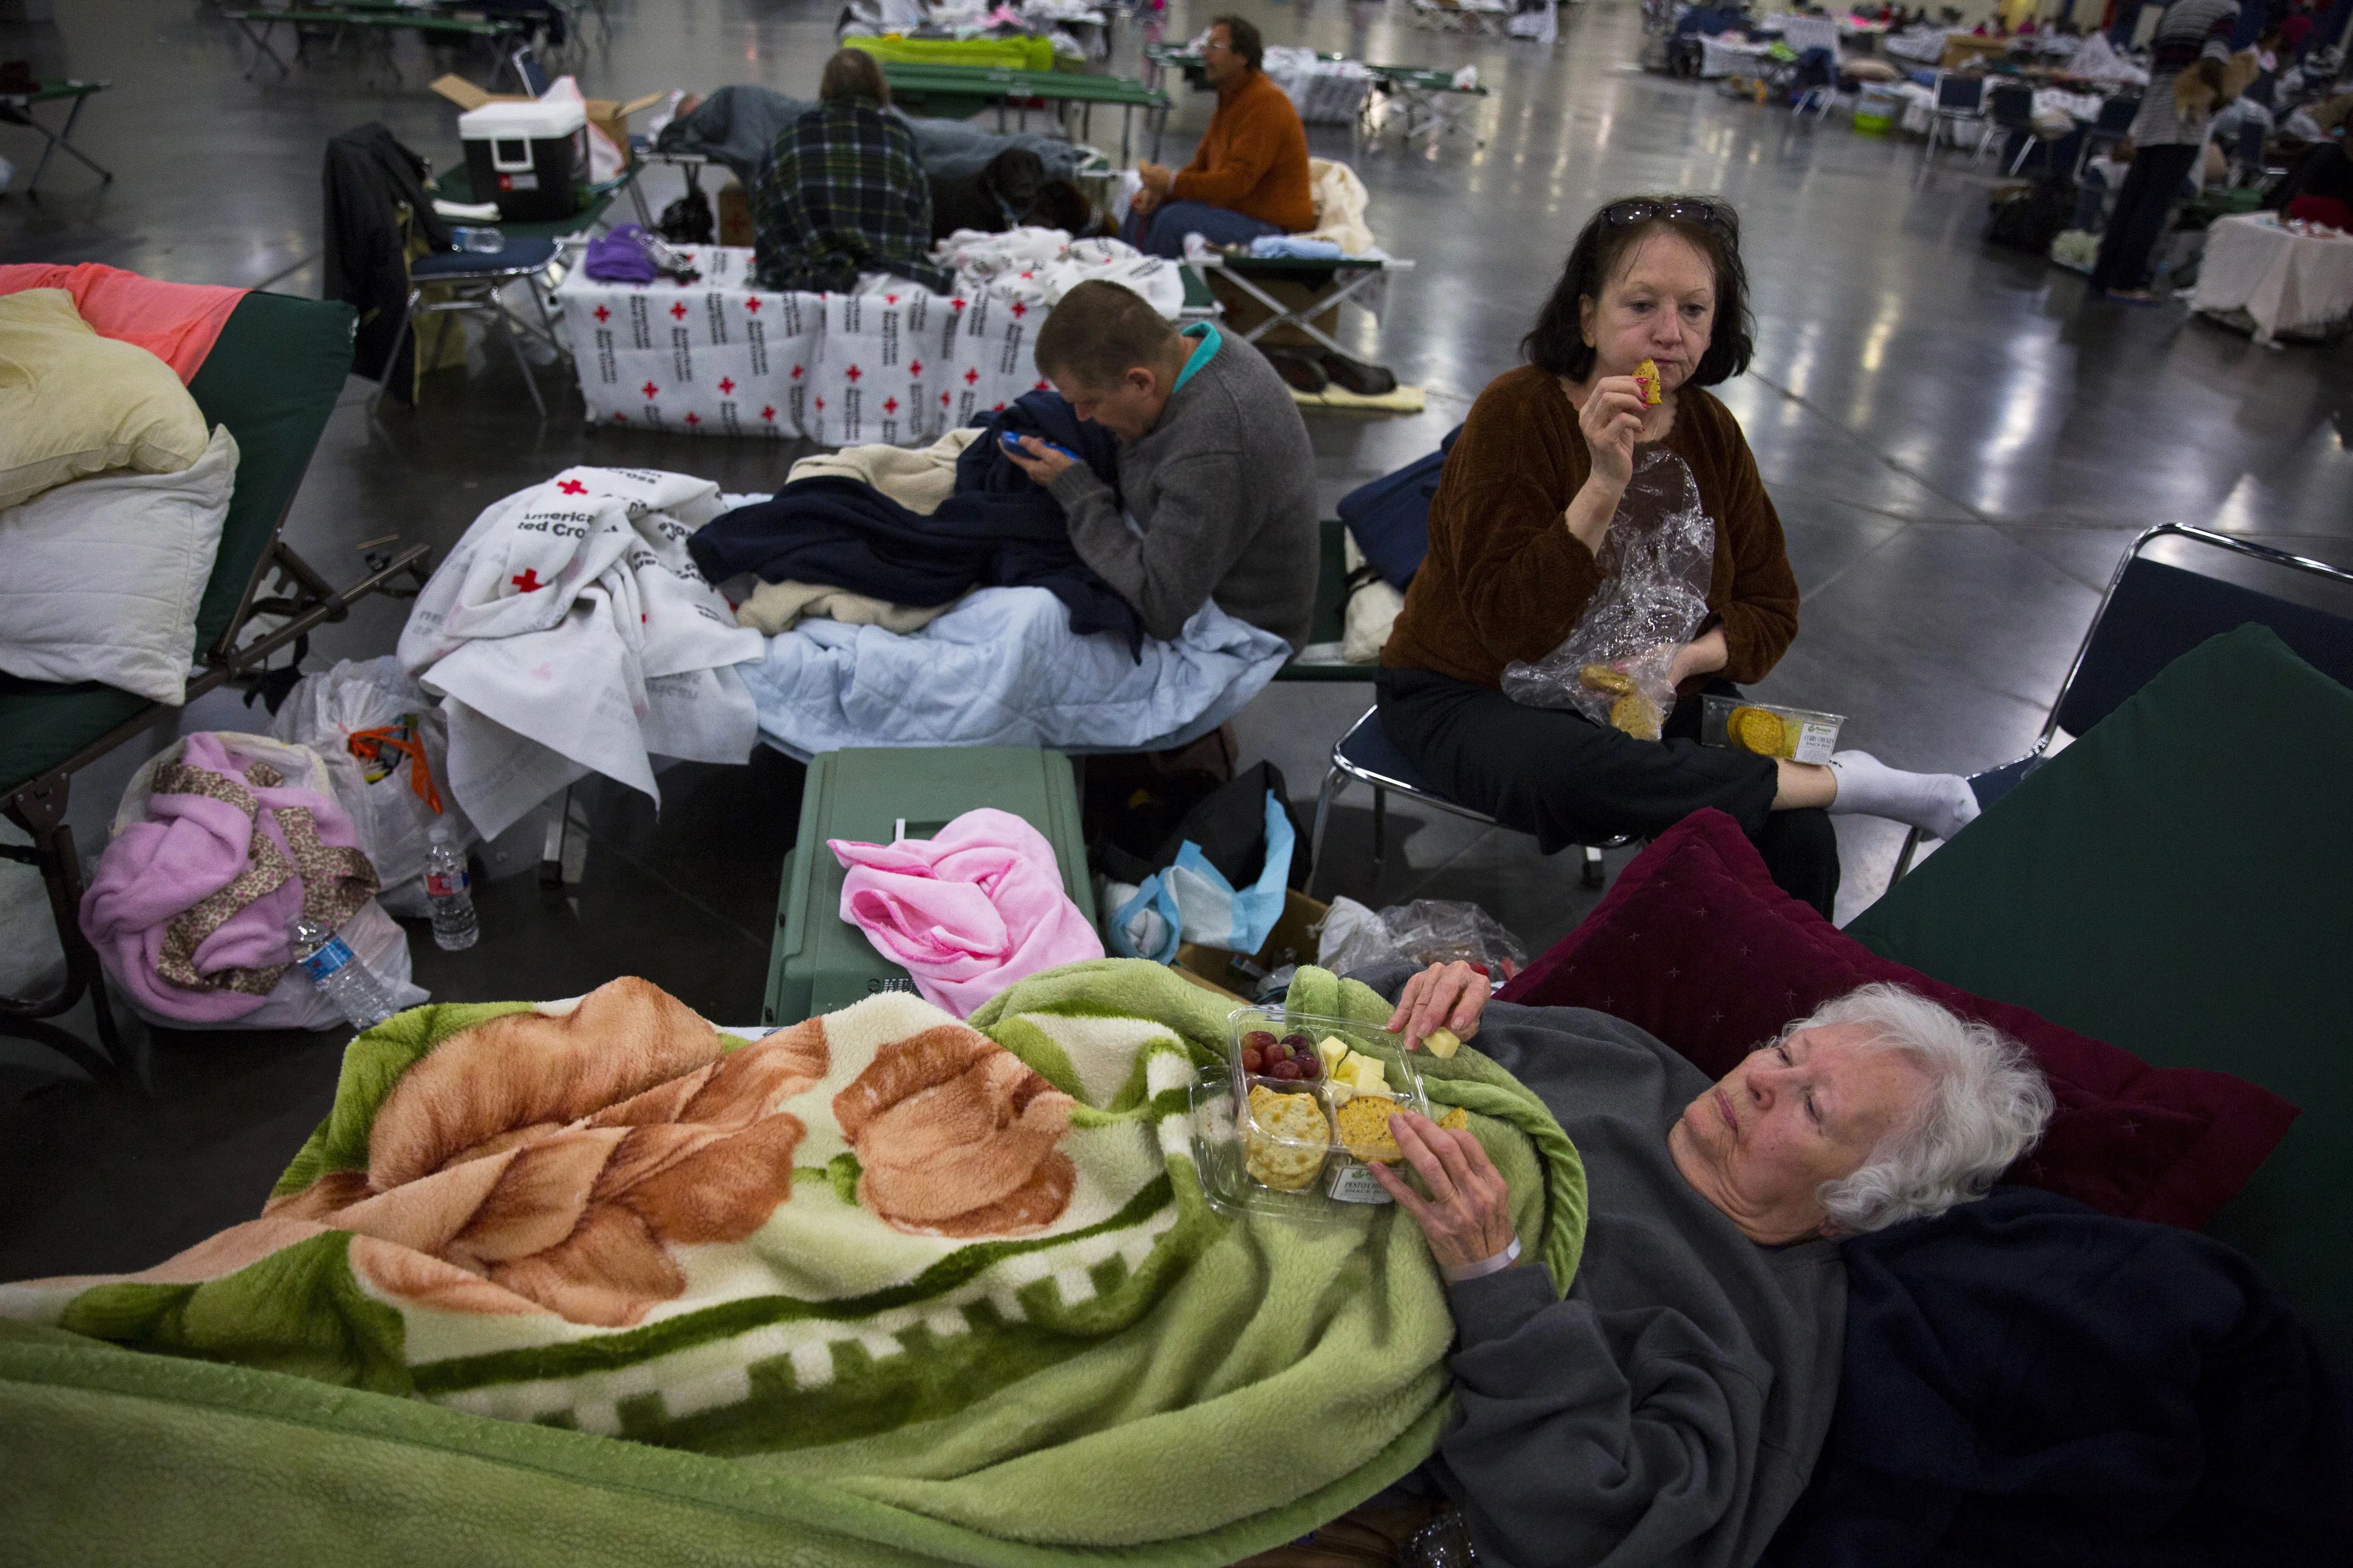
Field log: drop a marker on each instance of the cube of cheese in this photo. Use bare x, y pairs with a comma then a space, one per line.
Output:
1442, 1042
1334, 1050
1370, 1077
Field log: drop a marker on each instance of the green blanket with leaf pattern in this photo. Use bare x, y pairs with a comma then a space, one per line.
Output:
939, 1290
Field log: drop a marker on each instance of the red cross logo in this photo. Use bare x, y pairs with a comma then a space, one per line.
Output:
752, 305
572, 488
957, 304
915, 367
602, 314
687, 256
769, 413
1028, 275
943, 400
650, 389
694, 419
620, 418
726, 384
890, 406
853, 373
998, 409
1039, 387
972, 378
890, 298
678, 312
1020, 310
797, 373
821, 403
528, 583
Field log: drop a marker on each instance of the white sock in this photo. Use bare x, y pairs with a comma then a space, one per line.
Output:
1939, 804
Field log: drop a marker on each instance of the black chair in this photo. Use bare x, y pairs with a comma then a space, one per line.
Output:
2010, 107
2114, 122
1960, 100
2247, 153
1365, 754
2153, 613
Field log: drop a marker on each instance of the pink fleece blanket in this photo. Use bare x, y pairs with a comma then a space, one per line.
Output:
176, 323
967, 913
189, 908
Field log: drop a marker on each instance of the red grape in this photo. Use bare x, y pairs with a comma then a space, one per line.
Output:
1298, 1042
1258, 1039
1253, 1062
1277, 1052
1288, 1071
1310, 1066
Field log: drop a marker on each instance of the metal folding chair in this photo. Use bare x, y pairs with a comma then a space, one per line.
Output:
2114, 122
2153, 613
2010, 109
475, 281
1959, 101
1365, 754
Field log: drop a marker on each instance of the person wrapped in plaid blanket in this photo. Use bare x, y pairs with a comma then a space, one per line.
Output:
846, 192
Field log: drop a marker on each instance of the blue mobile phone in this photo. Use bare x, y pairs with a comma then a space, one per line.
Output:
1012, 443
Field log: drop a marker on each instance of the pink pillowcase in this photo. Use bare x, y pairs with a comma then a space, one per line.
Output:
1697, 946
176, 323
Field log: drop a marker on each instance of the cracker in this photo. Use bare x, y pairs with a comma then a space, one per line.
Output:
1756, 729
1637, 715
1646, 375
1456, 1120
1606, 677
1364, 1129
1287, 1139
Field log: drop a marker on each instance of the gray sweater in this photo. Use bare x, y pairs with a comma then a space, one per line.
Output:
1669, 1408
1223, 491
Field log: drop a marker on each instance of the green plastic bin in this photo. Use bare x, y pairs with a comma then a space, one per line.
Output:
874, 795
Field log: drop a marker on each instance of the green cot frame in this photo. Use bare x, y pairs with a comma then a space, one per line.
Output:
273, 378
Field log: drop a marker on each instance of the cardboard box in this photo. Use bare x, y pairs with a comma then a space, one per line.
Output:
1292, 941
734, 207
608, 115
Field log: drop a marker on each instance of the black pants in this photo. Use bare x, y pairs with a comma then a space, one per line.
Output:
1568, 780
2151, 187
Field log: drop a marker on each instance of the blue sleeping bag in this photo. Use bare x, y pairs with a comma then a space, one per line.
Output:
1390, 518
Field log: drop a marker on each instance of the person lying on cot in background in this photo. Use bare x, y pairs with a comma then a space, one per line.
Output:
845, 192
1670, 1408
1530, 491
1248, 176
1216, 474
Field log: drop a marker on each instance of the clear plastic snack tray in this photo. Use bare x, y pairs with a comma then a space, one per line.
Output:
1270, 1144
1769, 730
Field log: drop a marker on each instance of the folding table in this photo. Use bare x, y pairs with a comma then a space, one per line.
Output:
1333, 280
17, 109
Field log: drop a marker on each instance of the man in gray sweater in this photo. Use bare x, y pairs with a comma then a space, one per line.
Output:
1215, 468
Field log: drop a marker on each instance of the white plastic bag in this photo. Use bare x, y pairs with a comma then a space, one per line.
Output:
1656, 562
293, 1002
369, 723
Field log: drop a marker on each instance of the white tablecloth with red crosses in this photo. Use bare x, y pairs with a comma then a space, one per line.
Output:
719, 357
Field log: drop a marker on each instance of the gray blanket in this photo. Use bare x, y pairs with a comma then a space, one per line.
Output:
738, 127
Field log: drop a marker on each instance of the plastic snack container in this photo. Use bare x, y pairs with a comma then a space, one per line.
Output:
1801, 734
1281, 1152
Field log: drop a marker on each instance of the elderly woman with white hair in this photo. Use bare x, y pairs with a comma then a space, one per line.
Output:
1670, 1407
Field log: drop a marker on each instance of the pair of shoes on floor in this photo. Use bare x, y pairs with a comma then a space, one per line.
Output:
1310, 370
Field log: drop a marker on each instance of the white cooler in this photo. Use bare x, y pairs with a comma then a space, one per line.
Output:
529, 158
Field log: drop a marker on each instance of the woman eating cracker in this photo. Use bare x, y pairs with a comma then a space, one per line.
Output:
1532, 486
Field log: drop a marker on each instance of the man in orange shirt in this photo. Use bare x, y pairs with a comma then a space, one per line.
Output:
1250, 175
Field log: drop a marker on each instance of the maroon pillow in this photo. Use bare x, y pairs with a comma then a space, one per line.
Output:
1697, 946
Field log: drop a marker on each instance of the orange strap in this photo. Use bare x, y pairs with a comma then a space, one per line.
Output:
369, 745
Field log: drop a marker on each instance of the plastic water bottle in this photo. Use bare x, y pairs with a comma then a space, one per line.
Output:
336, 970
483, 241
455, 924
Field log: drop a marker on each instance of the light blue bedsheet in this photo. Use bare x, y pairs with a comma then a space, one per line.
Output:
1004, 669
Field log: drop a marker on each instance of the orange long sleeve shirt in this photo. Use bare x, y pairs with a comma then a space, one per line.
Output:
1253, 161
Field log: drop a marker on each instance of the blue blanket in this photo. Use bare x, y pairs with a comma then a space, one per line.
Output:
2026, 1381
1004, 669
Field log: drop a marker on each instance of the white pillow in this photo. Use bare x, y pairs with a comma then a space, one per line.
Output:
99, 579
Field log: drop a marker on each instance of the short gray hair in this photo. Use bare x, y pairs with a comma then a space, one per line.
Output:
1987, 1104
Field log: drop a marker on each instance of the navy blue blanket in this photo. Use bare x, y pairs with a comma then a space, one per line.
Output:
998, 531
2026, 1381
1390, 518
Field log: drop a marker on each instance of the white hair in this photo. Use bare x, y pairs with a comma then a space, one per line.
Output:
1986, 1105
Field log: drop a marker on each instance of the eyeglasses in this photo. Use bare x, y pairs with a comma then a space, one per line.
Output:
1625, 214
1217, 46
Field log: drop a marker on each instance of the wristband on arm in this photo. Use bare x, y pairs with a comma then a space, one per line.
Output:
1457, 1273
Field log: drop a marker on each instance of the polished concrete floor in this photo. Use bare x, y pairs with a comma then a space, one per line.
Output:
1960, 444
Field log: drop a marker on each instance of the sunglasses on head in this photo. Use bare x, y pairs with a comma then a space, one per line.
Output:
1624, 215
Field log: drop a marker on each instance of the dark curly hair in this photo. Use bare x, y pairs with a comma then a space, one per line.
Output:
1557, 342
